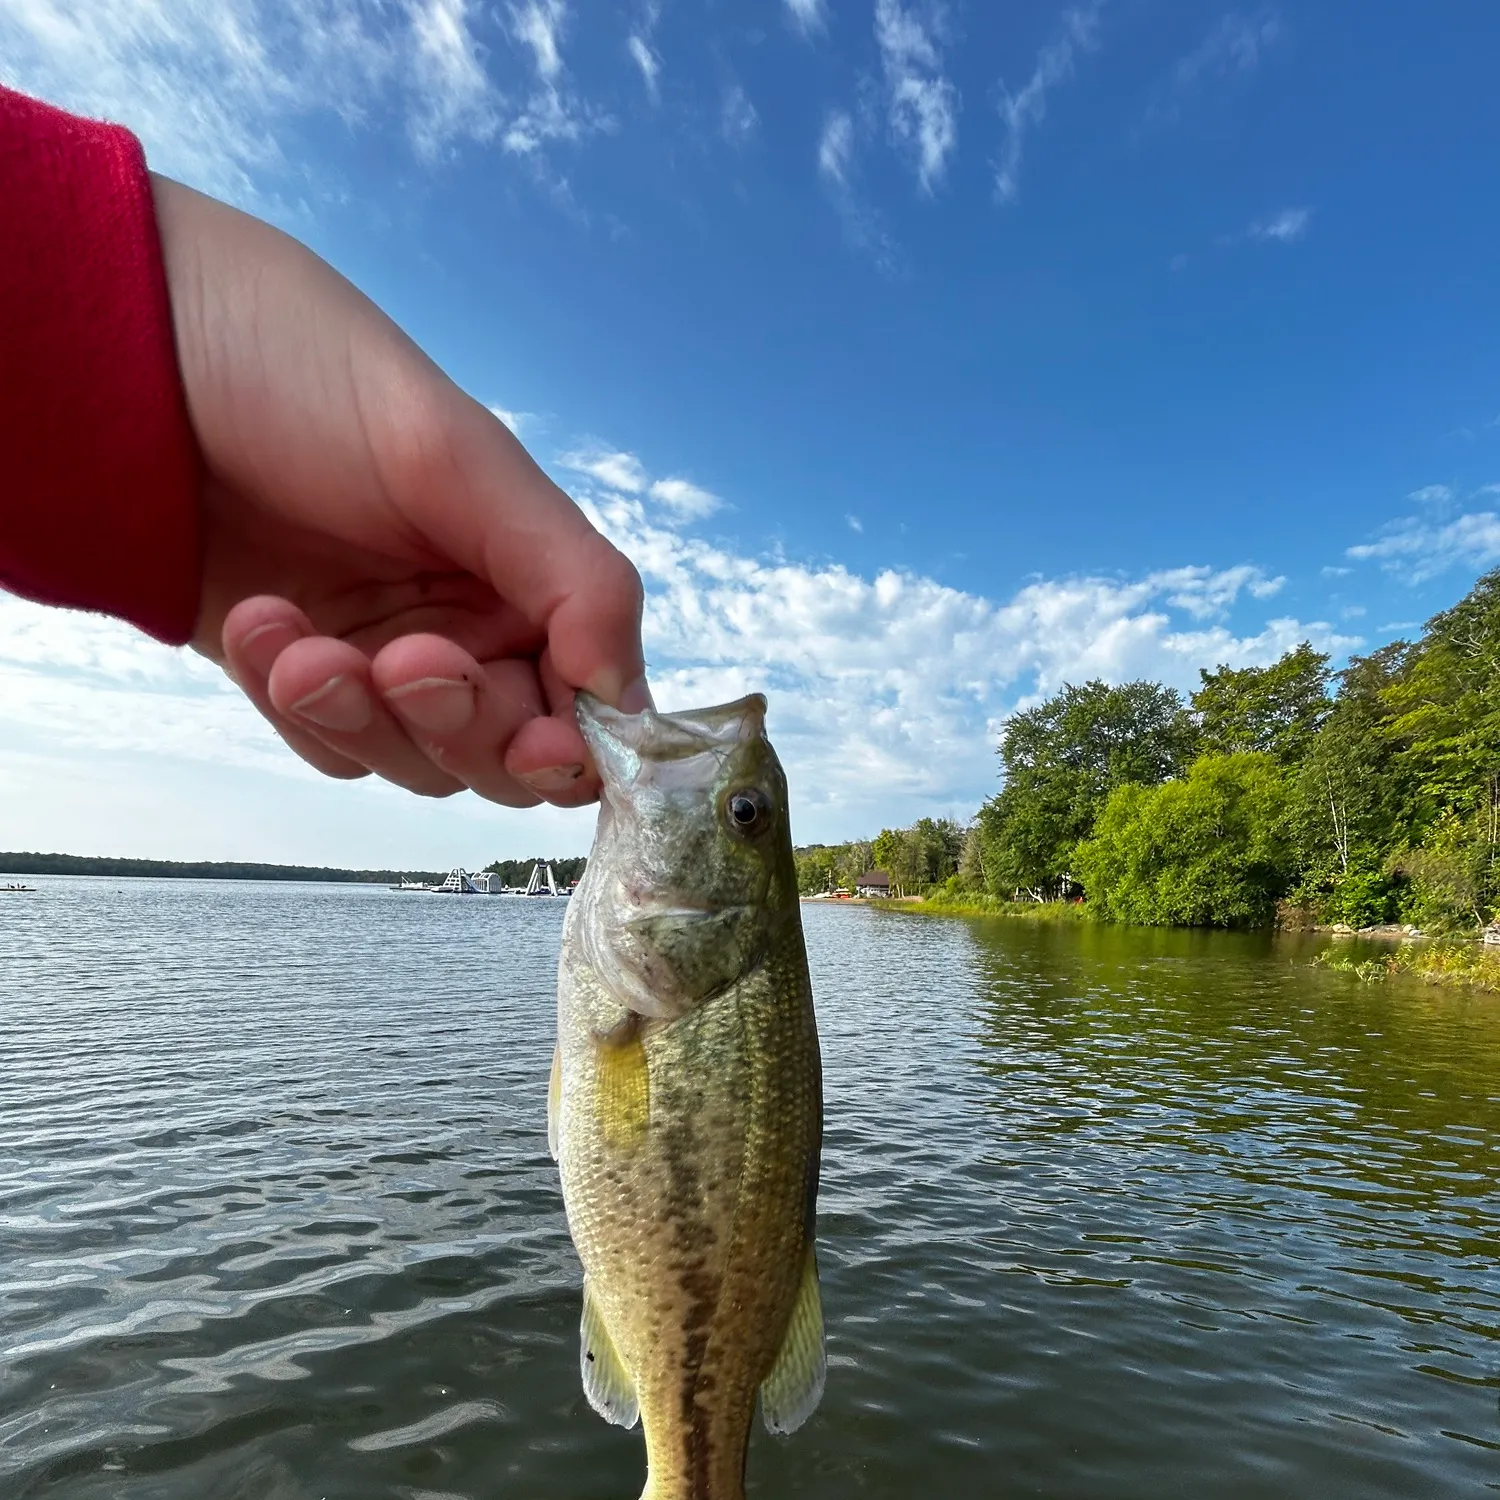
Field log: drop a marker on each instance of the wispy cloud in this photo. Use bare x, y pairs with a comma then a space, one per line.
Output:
862, 225
807, 16
836, 148
202, 85
922, 99
538, 25
646, 59
216, 91
552, 112
738, 119
642, 51
1021, 112
456, 98
1418, 547
854, 523
1283, 228
1232, 46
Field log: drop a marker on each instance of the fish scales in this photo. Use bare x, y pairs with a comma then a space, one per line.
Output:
687, 1099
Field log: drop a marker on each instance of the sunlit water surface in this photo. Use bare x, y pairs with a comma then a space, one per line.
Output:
1104, 1214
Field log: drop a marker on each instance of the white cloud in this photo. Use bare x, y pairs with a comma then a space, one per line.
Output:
538, 25
854, 523
1022, 111
212, 90
1419, 547
1233, 46
551, 112
1283, 228
808, 15
1439, 496
626, 474
836, 147
646, 59
517, 421
888, 692
923, 100
689, 501
862, 226
738, 118
456, 93
620, 471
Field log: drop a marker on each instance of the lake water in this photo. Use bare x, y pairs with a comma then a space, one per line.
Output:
1106, 1215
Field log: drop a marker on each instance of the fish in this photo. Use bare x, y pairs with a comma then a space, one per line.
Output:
685, 1106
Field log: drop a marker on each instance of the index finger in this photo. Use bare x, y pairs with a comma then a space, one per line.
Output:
476, 492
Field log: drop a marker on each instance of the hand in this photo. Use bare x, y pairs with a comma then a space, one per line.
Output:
387, 575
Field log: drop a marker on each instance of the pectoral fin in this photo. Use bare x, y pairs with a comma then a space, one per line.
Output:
554, 1101
790, 1393
623, 1087
606, 1381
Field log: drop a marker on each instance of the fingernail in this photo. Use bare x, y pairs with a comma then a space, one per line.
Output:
341, 704
636, 698
553, 778
630, 699
437, 705
265, 643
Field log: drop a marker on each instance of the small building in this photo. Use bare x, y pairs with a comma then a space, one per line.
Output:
873, 883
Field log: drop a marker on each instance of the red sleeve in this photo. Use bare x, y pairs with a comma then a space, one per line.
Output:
98, 468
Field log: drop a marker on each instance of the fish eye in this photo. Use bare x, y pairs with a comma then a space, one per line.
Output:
748, 810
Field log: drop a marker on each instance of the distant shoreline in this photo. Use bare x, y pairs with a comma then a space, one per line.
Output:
30, 863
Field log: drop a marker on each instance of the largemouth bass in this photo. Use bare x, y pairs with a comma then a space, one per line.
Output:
685, 1110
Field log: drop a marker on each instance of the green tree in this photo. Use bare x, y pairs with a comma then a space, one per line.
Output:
1445, 707
1209, 850
1062, 760
1277, 709
815, 867
1347, 799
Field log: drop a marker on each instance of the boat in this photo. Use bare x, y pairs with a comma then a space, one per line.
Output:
17, 890
411, 885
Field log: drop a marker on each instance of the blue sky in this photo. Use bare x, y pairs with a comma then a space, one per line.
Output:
924, 357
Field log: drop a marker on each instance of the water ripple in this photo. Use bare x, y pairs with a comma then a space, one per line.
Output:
1104, 1214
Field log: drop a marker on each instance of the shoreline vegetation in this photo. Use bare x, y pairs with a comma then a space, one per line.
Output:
512, 871
32, 863
1364, 802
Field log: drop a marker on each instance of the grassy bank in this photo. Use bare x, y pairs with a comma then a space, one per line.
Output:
980, 904
1444, 962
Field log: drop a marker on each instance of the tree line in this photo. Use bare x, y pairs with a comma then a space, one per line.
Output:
15, 862
514, 872
1361, 796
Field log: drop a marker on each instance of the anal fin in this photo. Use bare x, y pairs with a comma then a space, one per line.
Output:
790, 1393
606, 1381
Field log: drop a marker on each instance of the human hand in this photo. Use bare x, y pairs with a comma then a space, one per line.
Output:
387, 575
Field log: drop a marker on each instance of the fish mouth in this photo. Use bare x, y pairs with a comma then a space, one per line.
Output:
651, 735
680, 914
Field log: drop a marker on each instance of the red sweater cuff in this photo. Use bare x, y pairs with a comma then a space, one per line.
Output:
99, 474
